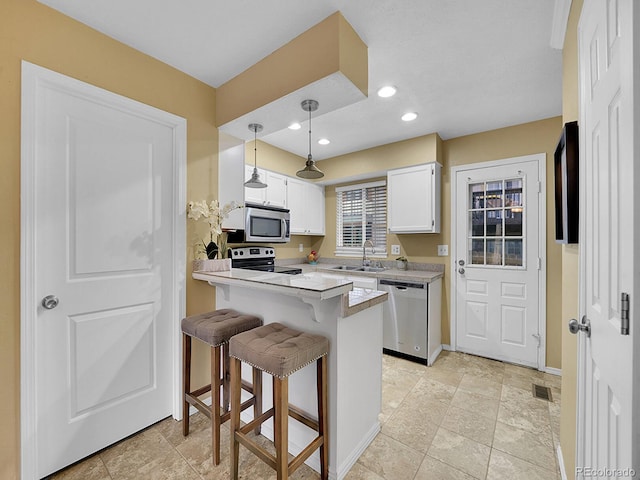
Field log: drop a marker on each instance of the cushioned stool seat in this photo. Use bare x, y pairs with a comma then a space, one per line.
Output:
279, 351
215, 329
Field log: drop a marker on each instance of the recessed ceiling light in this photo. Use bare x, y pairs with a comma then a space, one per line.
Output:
407, 117
295, 126
387, 91
324, 141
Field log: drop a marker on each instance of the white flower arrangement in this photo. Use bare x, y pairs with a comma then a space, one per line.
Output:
215, 215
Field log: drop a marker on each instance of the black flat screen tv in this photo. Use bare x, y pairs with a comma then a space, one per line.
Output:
566, 185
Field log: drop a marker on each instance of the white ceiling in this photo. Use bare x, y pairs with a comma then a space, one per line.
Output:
465, 66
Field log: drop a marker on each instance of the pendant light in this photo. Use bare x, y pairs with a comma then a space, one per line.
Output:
254, 181
310, 170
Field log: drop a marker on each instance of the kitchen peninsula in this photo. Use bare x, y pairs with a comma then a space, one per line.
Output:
352, 320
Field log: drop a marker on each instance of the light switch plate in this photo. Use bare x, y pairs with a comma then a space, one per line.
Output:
301, 247
443, 250
395, 249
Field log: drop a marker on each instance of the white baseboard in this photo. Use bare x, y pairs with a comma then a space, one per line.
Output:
434, 355
563, 473
552, 371
350, 461
447, 348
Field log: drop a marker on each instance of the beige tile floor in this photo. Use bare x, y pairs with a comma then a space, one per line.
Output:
464, 418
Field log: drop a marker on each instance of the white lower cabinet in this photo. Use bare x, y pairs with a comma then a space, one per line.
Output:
413, 199
306, 205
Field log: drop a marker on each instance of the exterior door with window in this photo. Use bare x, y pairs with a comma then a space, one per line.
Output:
497, 222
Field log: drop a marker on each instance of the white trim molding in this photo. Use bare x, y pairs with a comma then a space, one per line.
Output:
563, 472
561, 11
553, 371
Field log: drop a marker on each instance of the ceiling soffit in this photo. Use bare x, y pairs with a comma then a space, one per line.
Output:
328, 63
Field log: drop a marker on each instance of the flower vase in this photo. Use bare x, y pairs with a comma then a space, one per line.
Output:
215, 265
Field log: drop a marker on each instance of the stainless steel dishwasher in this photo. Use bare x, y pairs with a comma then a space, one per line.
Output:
405, 319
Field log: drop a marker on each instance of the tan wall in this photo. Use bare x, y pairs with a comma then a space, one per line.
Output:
530, 138
570, 257
380, 159
34, 32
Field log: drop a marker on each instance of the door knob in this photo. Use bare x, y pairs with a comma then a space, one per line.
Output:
50, 302
585, 326
461, 262
461, 271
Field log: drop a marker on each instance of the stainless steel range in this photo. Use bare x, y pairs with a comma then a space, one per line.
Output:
258, 258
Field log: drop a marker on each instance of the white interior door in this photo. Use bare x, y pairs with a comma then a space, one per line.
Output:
104, 220
608, 430
497, 260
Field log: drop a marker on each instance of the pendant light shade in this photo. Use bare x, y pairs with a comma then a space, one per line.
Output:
254, 181
310, 170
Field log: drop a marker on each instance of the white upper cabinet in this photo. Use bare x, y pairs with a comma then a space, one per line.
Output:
414, 199
275, 195
254, 195
306, 205
276, 191
315, 209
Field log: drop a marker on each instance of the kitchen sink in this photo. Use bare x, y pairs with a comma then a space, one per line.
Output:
372, 269
350, 268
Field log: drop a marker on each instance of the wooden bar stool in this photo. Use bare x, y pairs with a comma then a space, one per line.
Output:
279, 351
215, 329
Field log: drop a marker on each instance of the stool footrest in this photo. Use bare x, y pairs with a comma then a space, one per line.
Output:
256, 449
199, 404
246, 386
257, 421
243, 406
192, 399
304, 454
303, 418
200, 391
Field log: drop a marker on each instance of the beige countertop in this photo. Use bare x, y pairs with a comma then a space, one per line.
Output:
309, 285
423, 276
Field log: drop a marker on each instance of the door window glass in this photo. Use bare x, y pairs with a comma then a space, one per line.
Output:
496, 218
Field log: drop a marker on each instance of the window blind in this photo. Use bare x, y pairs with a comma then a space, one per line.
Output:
361, 215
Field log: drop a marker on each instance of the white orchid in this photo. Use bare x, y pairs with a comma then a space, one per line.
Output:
215, 216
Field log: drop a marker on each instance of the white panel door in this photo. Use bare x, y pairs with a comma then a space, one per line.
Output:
608, 419
104, 219
496, 261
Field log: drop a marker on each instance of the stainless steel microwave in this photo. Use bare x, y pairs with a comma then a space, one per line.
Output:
266, 224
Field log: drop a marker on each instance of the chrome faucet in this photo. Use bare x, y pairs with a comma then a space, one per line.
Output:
365, 261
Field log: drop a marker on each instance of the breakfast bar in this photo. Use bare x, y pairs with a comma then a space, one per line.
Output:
351, 318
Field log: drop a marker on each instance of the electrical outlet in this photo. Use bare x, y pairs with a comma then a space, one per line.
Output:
443, 250
301, 247
395, 249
